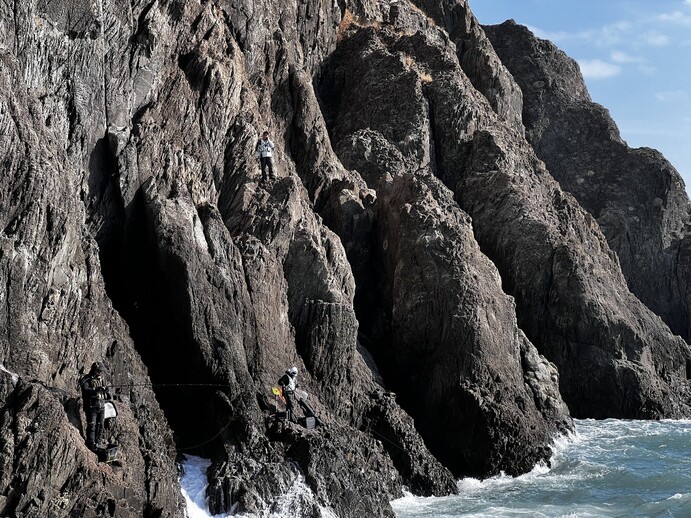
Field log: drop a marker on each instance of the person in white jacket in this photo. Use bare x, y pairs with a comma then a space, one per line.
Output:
289, 383
264, 152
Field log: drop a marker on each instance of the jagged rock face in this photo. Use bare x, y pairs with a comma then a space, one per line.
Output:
425, 332
636, 195
549, 252
573, 302
219, 280
254, 278
478, 58
135, 231
456, 352
56, 320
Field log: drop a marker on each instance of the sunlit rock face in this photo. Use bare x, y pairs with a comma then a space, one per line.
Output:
636, 195
414, 259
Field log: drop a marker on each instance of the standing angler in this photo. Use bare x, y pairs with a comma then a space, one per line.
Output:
94, 395
264, 152
289, 383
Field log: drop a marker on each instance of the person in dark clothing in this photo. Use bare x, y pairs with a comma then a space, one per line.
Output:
264, 152
94, 395
394, 10
288, 383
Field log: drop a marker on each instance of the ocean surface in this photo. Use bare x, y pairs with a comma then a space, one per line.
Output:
607, 468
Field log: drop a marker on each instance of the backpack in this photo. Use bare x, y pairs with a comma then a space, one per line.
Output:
284, 380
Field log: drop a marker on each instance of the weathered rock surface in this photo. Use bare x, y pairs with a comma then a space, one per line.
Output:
478, 58
54, 322
456, 354
637, 196
134, 230
427, 339
549, 252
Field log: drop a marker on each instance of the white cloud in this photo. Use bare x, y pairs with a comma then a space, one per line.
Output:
688, 2
558, 36
676, 17
622, 57
655, 39
652, 32
612, 34
670, 96
607, 35
598, 69
647, 70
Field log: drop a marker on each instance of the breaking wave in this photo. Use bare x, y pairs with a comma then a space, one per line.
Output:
297, 501
607, 468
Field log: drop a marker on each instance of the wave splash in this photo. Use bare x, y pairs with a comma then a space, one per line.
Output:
299, 500
606, 468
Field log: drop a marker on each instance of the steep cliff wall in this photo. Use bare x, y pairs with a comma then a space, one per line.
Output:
408, 204
572, 300
55, 320
637, 196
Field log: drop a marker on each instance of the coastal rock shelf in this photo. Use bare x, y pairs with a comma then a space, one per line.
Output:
450, 287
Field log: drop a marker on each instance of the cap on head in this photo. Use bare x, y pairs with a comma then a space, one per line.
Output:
293, 371
97, 366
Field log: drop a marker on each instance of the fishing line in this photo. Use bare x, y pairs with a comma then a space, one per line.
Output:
158, 385
370, 430
166, 385
208, 440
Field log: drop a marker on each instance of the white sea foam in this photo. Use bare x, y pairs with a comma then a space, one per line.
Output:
297, 501
607, 468
193, 483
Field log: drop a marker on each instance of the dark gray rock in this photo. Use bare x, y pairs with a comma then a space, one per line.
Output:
134, 230
457, 357
637, 196
572, 300
422, 354
55, 321
478, 58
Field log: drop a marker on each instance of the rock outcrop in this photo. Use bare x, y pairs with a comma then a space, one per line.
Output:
56, 319
456, 354
548, 250
411, 259
637, 196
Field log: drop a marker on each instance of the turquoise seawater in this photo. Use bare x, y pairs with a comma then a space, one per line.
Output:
608, 468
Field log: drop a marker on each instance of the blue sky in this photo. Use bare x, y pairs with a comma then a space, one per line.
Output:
635, 56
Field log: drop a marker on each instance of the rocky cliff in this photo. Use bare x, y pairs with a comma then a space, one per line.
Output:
442, 297
637, 196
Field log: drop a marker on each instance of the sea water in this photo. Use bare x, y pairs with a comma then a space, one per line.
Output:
606, 468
